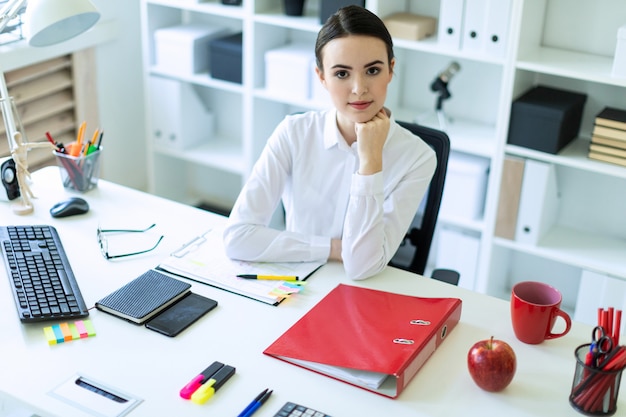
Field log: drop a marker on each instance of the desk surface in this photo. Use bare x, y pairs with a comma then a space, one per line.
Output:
153, 367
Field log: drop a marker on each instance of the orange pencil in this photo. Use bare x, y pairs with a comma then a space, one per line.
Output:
79, 140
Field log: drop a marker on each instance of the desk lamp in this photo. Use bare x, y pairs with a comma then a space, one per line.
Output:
46, 22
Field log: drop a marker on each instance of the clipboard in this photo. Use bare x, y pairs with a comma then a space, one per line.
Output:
204, 260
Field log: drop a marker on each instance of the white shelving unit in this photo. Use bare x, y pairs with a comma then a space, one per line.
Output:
543, 48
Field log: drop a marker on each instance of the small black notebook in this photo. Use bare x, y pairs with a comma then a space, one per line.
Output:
144, 297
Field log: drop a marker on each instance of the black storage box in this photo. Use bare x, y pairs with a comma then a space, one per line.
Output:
225, 53
329, 7
546, 119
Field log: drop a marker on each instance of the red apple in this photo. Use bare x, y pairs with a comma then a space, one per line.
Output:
491, 364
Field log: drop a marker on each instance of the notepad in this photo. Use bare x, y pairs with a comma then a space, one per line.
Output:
144, 297
204, 260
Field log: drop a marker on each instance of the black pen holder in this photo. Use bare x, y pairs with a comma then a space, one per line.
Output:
79, 173
594, 390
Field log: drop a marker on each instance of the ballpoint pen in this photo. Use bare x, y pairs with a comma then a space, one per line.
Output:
269, 277
253, 403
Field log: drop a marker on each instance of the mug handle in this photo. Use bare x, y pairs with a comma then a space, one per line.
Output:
568, 325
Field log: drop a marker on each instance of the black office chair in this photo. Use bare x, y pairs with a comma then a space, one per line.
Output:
420, 236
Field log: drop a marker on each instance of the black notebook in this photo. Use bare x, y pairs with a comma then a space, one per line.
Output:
144, 297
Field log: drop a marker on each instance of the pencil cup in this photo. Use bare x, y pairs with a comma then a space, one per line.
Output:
79, 173
594, 390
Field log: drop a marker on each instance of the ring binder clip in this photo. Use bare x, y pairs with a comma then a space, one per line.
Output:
420, 322
403, 341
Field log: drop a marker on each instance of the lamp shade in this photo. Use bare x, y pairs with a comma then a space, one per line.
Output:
48, 22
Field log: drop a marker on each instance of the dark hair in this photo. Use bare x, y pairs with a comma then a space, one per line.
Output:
352, 20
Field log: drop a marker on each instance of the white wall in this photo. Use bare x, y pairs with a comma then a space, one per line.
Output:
120, 96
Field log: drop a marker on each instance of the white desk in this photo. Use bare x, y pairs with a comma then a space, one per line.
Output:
154, 367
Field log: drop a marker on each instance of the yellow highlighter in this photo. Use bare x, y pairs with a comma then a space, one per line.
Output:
269, 277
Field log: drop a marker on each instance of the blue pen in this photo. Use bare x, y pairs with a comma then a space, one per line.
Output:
256, 403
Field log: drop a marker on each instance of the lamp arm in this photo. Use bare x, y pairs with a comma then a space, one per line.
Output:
9, 12
6, 15
7, 112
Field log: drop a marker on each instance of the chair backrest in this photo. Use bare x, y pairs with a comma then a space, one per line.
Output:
421, 235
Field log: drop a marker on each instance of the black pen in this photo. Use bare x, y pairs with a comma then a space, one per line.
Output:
256, 403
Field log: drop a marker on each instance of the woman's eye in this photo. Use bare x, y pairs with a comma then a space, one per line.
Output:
373, 70
341, 74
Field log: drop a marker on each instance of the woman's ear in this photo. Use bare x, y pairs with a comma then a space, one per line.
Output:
320, 75
392, 64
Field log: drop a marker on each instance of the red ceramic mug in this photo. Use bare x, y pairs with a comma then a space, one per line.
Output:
535, 307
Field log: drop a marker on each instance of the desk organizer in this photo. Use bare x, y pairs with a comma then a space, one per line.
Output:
79, 173
595, 389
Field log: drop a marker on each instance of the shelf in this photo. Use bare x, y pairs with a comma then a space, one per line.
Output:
219, 153
201, 78
471, 225
431, 45
570, 64
277, 17
214, 8
573, 155
578, 248
465, 135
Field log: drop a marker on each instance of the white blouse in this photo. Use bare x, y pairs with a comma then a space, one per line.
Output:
308, 164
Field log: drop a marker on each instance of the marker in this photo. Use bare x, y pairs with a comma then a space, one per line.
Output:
269, 277
256, 404
206, 391
200, 379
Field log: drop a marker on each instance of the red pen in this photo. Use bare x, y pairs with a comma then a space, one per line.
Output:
617, 327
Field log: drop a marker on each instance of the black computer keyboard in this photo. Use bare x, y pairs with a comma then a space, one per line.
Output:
43, 284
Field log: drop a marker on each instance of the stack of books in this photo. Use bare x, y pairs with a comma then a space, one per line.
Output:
608, 141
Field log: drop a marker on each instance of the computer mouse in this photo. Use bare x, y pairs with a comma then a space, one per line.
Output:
69, 207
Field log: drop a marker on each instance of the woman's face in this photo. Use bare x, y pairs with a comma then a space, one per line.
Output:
356, 74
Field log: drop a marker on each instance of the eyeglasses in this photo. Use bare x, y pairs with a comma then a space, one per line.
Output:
104, 245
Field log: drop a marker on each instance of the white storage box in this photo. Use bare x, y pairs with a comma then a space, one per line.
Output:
288, 70
458, 251
319, 93
465, 188
619, 60
184, 49
179, 119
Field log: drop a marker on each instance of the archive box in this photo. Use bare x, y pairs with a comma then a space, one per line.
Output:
410, 26
226, 55
466, 186
288, 70
179, 118
183, 49
546, 119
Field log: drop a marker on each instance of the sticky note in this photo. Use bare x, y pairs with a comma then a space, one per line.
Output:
67, 334
74, 330
82, 331
90, 329
50, 336
58, 333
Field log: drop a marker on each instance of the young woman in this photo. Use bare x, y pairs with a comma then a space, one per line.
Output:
350, 178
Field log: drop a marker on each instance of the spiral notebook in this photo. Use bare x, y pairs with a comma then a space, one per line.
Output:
144, 297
